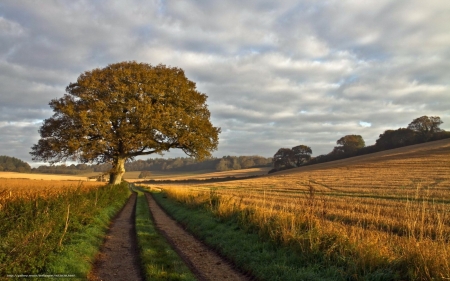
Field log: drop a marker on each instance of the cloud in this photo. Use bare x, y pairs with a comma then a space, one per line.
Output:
16, 138
10, 28
277, 73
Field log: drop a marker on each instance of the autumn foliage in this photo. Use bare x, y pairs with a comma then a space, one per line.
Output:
124, 110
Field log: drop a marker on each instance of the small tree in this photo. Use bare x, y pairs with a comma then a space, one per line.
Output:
223, 165
247, 163
426, 126
124, 110
349, 144
396, 138
144, 174
284, 158
235, 165
302, 154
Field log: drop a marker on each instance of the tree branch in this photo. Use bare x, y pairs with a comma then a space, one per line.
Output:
134, 154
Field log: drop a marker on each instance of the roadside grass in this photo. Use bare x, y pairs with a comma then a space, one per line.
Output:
58, 234
259, 257
159, 261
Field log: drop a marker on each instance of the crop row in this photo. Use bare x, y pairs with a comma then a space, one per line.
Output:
411, 234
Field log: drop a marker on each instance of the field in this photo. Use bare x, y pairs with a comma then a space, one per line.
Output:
387, 212
14, 175
197, 175
133, 176
382, 216
54, 226
15, 187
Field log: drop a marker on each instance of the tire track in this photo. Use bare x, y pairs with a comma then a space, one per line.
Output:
204, 262
119, 255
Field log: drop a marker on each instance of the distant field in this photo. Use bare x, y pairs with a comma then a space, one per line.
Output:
393, 172
133, 176
202, 174
14, 175
382, 210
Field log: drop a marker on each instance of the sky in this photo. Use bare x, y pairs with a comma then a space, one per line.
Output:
276, 73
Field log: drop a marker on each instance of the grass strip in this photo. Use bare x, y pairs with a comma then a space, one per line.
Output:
57, 236
261, 258
159, 260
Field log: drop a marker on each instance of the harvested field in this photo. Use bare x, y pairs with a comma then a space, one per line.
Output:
204, 175
382, 209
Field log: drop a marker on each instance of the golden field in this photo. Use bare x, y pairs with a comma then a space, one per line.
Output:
16, 187
197, 175
14, 175
391, 207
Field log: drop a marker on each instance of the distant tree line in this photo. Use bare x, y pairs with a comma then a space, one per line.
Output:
420, 130
68, 169
12, 164
181, 164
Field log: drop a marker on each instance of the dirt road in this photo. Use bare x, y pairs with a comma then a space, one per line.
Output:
204, 262
119, 256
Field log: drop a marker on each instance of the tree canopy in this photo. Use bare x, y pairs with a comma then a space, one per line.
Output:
125, 110
286, 158
302, 154
283, 158
426, 126
349, 144
396, 138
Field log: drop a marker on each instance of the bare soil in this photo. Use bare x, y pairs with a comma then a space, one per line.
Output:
204, 262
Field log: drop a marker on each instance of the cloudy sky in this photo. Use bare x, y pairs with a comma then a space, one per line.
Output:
277, 73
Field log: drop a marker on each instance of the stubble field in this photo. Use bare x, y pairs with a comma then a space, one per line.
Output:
196, 175
386, 212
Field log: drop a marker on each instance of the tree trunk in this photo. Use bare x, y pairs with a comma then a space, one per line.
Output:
117, 171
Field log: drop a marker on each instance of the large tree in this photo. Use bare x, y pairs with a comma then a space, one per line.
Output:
426, 126
125, 110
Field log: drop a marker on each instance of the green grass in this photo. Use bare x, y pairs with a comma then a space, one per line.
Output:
260, 257
58, 235
159, 261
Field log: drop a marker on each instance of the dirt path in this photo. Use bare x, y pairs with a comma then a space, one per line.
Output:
119, 255
205, 263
